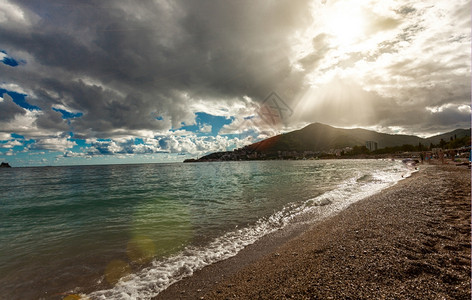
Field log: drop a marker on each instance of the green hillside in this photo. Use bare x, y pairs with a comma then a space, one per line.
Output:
321, 137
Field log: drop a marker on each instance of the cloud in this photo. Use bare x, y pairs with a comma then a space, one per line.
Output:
422, 59
11, 14
343, 103
206, 128
104, 148
321, 47
161, 60
53, 144
9, 61
9, 110
30, 123
11, 144
190, 144
120, 70
51, 120
450, 115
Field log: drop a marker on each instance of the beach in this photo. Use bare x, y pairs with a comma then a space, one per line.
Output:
410, 241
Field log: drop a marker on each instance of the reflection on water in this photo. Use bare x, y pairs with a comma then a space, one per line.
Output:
82, 228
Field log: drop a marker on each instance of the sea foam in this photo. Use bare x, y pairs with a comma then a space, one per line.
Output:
162, 273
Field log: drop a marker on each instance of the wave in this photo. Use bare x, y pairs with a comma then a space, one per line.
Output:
150, 281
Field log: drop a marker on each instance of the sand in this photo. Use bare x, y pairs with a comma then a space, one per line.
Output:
411, 241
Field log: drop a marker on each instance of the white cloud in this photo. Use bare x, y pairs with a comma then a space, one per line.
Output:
66, 108
190, 144
180, 132
22, 123
449, 106
11, 13
4, 136
206, 128
53, 144
11, 144
26, 123
464, 108
13, 87
224, 107
415, 56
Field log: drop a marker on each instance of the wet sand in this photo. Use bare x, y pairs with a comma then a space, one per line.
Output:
411, 241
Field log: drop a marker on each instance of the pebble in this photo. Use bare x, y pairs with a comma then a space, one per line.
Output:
378, 273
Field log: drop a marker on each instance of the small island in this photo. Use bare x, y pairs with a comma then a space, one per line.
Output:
5, 165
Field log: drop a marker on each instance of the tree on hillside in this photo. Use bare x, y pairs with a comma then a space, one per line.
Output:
442, 143
359, 150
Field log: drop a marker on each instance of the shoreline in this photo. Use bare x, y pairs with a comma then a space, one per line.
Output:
410, 240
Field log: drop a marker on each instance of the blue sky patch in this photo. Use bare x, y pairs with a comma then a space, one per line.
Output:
138, 141
191, 128
201, 119
9, 61
68, 115
17, 136
216, 122
79, 142
19, 99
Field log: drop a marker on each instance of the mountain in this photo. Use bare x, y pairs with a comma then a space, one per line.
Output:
458, 133
321, 137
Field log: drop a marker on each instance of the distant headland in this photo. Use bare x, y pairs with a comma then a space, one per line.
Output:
5, 165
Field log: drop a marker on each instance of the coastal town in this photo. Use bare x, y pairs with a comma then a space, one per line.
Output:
370, 150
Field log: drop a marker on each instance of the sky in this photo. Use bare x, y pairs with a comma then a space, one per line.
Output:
122, 81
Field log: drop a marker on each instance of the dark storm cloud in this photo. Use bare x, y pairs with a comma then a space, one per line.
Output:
321, 47
123, 62
8, 109
52, 120
124, 67
103, 110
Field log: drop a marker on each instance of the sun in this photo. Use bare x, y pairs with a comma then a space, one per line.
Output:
345, 23
337, 27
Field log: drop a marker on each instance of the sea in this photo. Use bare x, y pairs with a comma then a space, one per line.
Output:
130, 231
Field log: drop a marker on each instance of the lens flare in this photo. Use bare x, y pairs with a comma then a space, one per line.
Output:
115, 270
141, 249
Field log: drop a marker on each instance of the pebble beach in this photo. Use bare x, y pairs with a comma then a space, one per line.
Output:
411, 241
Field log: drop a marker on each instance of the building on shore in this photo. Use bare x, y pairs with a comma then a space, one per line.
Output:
371, 145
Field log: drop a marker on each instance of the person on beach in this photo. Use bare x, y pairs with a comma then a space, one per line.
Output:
441, 156
429, 156
452, 154
422, 157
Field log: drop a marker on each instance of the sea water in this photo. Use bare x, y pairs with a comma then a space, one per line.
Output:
129, 231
